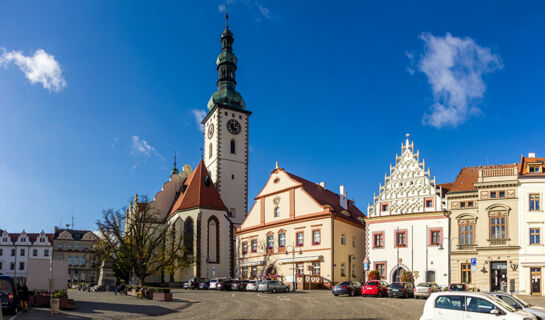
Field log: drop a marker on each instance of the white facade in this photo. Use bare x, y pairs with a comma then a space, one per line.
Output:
532, 219
406, 226
16, 249
226, 157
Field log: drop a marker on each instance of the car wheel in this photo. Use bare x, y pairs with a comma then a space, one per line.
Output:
352, 293
273, 290
336, 295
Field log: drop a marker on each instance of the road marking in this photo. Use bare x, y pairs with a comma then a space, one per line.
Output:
283, 298
259, 295
232, 294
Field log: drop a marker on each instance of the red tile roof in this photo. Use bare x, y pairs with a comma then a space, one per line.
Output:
198, 191
327, 197
523, 167
469, 175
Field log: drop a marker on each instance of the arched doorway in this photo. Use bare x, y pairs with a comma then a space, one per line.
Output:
396, 274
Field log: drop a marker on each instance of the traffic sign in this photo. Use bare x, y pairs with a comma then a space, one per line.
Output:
473, 261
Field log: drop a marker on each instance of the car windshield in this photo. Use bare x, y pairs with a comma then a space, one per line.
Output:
424, 284
4, 286
397, 285
524, 303
371, 283
502, 303
346, 283
457, 287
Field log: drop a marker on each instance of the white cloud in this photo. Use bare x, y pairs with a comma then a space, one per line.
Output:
454, 67
40, 68
199, 116
256, 6
141, 150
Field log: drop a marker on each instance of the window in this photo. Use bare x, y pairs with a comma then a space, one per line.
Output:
353, 270
343, 239
300, 239
270, 241
430, 276
380, 267
429, 203
77, 246
253, 272
13, 252
450, 302
378, 240
401, 239
300, 268
254, 245
69, 260
316, 268
22, 252
84, 246
60, 258
493, 194
435, 237
244, 272
276, 212
244, 247
233, 146
535, 235
210, 150
34, 252
46, 252
76, 260
343, 269
474, 304
232, 212
535, 202
1, 252
470, 204
466, 272
70, 246
384, 207
12, 266
467, 229
316, 237
534, 169
502, 194
60, 246
353, 242
462, 204
281, 240
1, 265
497, 227
21, 266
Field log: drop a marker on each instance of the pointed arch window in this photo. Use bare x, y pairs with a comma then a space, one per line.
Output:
213, 239
189, 235
233, 146
210, 150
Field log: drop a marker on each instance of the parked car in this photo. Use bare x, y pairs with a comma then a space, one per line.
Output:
204, 285
185, 285
239, 285
467, 305
252, 285
519, 304
457, 287
194, 283
213, 284
272, 286
375, 288
224, 285
425, 289
350, 288
401, 289
9, 297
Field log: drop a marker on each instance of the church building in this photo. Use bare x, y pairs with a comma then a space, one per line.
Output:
407, 226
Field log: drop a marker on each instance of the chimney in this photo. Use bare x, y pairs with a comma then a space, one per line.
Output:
342, 197
531, 154
322, 184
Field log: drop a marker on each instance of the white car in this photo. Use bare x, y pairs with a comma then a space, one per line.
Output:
470, 305
213, 284
425, 289
517, 303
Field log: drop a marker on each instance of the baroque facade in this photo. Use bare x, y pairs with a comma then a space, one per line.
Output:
77, 247
17, 248
297, 227
407, 224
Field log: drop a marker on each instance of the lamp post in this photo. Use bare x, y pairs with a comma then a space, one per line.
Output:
293, 262
449, 246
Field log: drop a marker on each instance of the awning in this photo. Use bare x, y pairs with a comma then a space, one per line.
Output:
300, 259
251, 263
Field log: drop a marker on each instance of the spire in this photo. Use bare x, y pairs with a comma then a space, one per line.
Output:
226, 95
174, 169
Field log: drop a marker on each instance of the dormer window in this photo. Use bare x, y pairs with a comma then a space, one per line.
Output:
535, 168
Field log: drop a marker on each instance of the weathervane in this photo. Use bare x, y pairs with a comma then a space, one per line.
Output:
226, 16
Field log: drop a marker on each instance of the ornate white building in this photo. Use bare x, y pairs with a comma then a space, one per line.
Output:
17, 248
406, 224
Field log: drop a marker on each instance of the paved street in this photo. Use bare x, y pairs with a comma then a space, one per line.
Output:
240, 305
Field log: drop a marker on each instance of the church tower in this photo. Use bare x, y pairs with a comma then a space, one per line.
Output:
226, 134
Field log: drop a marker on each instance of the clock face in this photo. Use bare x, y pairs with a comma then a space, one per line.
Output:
211, 131
233, 126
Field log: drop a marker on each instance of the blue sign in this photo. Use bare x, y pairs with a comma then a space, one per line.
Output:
473, 261
213, 268
366, 266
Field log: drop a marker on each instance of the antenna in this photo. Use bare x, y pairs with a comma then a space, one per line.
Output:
72, 221
226, 16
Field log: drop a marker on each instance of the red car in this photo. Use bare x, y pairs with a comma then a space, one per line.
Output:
375, 288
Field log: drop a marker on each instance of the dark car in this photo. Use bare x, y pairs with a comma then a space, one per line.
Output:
204, 285
457, 287
401, 289
375, 288
194, 283
9, 296
224, 285
239, 285
351, 288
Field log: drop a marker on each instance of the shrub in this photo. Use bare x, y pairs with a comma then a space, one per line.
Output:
407, 276
60, 294
374, 275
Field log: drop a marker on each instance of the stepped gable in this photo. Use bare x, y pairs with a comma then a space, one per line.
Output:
198, 191
328, 198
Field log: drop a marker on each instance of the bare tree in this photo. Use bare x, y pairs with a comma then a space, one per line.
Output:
140, 240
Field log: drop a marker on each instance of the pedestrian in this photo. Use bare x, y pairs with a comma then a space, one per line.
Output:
25, 296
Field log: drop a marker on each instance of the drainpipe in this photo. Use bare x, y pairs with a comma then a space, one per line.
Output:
332, 249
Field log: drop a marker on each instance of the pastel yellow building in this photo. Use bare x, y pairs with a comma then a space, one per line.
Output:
300, 228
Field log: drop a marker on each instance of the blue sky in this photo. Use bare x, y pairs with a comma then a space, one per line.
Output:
95, 96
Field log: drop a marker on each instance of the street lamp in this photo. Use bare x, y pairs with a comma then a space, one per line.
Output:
293, 262
449, 246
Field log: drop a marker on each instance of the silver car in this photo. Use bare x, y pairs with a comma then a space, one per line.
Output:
272, 286
519, 304
252, 285
213, 284
425, 289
